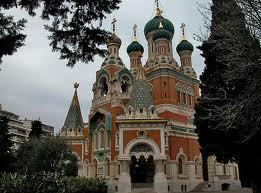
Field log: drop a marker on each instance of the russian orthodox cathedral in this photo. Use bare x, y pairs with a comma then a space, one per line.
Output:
140, 128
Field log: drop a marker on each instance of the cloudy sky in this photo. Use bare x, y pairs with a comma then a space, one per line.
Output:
35, 83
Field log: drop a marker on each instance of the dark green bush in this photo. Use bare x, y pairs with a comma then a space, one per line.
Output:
33, 183
87, 185
50, 183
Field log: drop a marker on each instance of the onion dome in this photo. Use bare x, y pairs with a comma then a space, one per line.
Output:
113, 39
184, 45
161, 33
155, 22
135, 46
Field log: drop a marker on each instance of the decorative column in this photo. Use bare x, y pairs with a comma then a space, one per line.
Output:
124, 178
160, 180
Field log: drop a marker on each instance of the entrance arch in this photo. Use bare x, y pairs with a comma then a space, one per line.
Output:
142, 167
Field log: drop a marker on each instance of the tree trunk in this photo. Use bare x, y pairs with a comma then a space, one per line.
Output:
205, 166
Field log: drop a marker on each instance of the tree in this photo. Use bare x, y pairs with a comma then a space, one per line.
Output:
36, 129
11, 37
46, 155
252, 11
230, 90
76, 25
6, 156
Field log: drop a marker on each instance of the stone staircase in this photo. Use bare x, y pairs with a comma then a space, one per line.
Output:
142, 188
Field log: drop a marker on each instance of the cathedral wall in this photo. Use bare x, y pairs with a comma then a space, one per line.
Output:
129, 135
190, 147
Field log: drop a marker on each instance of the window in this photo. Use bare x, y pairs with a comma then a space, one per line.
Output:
102, 139
117, 140
179, 98
185, 99
180, 166
104, 86
141, 110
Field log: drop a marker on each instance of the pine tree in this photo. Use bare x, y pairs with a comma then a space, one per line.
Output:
223, 114
76, 30
6, 156
11, 37
36, 129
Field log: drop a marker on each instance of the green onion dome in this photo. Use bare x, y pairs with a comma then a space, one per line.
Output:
184, 45
113, 39
161, 33
135, 46
154, 25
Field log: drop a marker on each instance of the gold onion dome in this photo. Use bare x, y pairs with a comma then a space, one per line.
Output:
113, 39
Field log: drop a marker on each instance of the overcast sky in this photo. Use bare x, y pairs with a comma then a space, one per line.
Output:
35, 83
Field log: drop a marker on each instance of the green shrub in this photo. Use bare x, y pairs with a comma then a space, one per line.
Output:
33, 183
87, 185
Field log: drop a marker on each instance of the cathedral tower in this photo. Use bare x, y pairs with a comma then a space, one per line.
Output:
135, 51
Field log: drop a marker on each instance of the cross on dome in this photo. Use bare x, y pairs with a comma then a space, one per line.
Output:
76, 85
158, 11
114, 21
135, 32
183, 26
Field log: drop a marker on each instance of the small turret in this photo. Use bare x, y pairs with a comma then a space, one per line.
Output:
73, 125
185, 50
113, 45
135, 51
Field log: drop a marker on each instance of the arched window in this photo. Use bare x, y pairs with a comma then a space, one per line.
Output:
102, 139
125, 83
104, 86
180, 165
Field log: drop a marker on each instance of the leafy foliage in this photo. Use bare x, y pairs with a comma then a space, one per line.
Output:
227, 117
36, 129
50, 183
88, 185
11, 37
6, 156
76, 29
47, 155
36, 183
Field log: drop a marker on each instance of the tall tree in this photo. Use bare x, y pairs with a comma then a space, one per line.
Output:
76, 30
223, 114
252, 11
36, 129
11, 36
46, 155
6, 156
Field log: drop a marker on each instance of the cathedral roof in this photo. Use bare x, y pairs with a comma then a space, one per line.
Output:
161, 33
141, 95
184, 45
155, 22
135, 46
74, 119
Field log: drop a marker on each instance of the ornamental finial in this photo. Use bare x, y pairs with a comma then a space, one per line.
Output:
76, 85
135, 32
114, 25
183, 26
158, 11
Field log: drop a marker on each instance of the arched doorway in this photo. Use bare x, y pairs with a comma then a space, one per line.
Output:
142, 167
